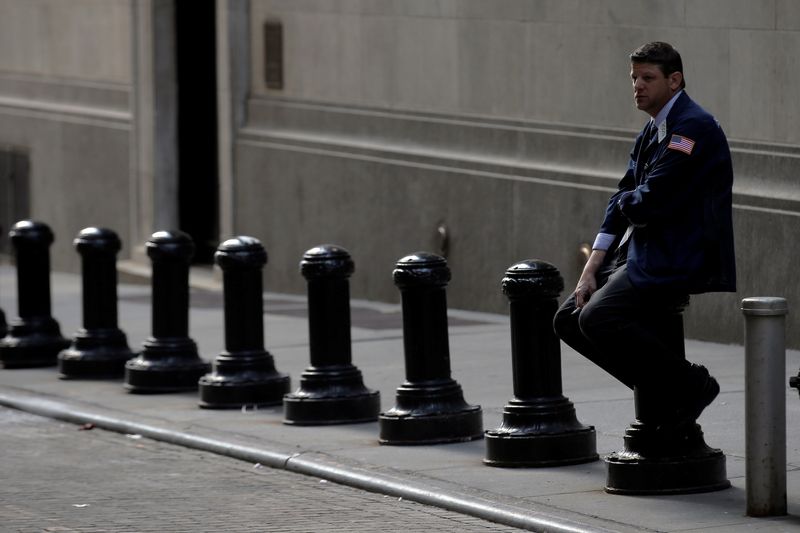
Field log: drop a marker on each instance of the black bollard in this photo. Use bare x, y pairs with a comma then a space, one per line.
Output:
34, 338
429, 406
794, 382
100, 349
244, 374
540, 427
664, 459
3, 325
331, 390
169, 361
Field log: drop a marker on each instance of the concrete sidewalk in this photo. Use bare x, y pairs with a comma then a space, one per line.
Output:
451, 476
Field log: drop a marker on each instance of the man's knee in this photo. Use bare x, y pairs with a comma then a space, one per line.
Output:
565, 322
592, 324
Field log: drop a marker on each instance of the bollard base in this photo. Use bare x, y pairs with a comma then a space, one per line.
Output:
232, 392
439, 428
302, 410
510, 450
632, 474
29, 349
163, 380
100, 364
665, 462
95, 355
242, 379
165, 366
332, 394
540, 432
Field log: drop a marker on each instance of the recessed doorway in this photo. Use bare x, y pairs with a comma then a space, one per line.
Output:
198, 180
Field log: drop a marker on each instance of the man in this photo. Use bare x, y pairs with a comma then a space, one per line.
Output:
667, 233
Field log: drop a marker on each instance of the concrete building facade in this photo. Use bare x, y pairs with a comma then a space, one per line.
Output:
487, 130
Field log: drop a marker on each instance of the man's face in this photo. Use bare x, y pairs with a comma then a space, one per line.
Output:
651, 89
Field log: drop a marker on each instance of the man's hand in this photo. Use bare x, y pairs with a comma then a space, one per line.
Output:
584, 290
587, 284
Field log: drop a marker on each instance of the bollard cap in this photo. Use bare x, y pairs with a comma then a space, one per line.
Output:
241, 252
170, 245
532, 278
31, 232
97, 240
326, 261
421, 269
765, 306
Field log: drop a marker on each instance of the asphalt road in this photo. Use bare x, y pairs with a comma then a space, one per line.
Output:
60, 477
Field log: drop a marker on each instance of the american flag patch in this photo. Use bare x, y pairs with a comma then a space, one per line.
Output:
682, 144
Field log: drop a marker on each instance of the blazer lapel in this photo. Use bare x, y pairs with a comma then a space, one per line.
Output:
649, 144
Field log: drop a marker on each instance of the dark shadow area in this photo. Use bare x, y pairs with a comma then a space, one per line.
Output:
14, 192
197, 125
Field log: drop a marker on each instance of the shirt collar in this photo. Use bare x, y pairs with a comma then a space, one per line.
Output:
662, 115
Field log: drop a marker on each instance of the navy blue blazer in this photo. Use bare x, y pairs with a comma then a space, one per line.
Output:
677, 194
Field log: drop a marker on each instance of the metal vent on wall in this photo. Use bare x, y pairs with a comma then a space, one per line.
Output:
273, 54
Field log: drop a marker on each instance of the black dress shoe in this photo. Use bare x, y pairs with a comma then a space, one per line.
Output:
701, 390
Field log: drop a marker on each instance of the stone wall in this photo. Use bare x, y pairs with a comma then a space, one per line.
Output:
65, 102
505, 122
510, 123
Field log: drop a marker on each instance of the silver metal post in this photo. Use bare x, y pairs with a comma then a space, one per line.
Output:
765, 405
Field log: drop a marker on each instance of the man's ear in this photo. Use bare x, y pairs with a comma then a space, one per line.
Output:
675, 80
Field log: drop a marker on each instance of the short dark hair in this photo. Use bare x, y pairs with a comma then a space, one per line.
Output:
661, 54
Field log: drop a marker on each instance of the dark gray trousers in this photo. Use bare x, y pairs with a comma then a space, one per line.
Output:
634, 334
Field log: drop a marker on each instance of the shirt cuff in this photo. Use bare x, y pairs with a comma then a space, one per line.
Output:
603, 241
